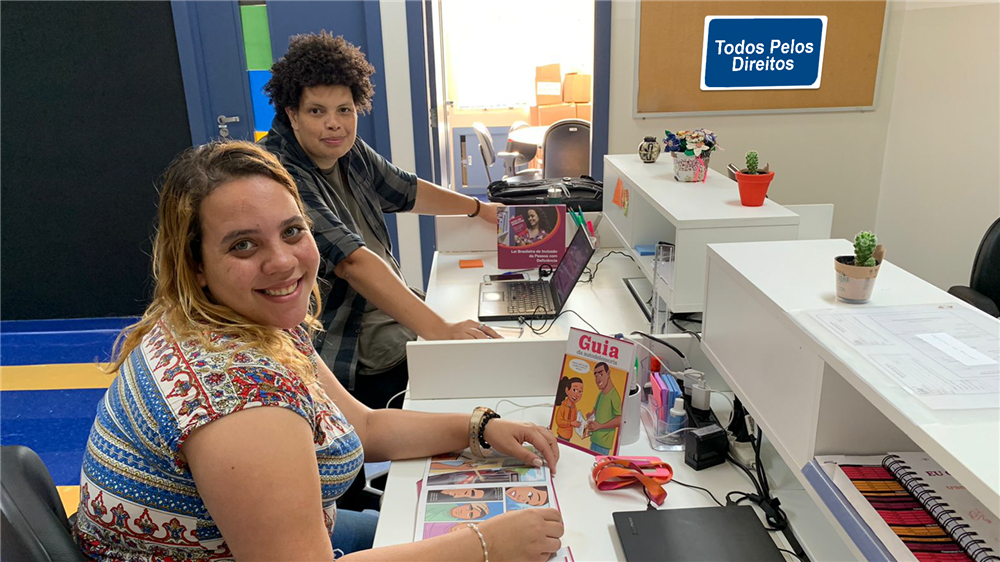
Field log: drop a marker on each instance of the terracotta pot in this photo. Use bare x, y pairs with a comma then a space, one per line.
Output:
753, 188
854, 283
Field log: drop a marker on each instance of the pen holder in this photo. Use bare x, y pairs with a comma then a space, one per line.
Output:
654, 418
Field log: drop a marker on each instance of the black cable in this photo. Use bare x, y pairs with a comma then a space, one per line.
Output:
758, 465
543, 329
592, 274
678, 482
746, 470
685, 330
792, 553
661, 342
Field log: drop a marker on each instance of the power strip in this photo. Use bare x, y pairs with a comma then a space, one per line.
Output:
742, 452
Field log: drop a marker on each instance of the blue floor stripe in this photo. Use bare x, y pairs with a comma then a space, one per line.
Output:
53, 423
51, 342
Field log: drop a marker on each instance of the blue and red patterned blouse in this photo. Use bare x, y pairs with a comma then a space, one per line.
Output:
138, 500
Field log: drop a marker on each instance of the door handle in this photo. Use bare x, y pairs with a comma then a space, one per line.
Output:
224, 122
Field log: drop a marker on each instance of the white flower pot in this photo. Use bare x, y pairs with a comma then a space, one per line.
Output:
690, 168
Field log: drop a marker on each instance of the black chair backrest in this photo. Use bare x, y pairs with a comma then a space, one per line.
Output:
566, 149
986, 267
34, 523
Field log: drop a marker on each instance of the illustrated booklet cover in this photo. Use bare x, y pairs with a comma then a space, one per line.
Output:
459, 488
530, 235
591, 392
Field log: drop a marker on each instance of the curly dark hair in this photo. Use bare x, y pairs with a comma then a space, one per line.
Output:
319, 60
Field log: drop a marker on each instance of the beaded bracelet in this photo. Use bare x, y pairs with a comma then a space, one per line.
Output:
482, 541
477, 426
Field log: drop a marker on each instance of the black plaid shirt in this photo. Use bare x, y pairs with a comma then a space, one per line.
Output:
379, 188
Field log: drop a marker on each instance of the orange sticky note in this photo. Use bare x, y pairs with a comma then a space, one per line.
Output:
468, 264
617, 199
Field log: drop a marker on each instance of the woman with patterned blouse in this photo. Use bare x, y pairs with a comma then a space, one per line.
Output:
224, 436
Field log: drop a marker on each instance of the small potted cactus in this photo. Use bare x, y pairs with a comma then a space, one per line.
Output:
856, 274
753, 181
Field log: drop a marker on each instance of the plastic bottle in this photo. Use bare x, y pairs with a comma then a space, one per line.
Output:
677, 419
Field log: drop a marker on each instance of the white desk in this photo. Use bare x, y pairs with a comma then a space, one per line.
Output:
758, 334
689, 215
457, 376
590, 529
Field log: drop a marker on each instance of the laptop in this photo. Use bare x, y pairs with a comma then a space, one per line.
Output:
512, 300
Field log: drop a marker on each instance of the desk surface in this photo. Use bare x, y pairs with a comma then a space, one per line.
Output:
797, 277
709, 204
590, 530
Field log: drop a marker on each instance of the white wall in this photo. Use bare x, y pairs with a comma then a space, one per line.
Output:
817, 157
941, 173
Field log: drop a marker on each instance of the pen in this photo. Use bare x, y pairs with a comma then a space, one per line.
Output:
590, 227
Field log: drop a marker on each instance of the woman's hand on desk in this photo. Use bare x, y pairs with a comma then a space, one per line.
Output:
526, 534
508, 437
465, 330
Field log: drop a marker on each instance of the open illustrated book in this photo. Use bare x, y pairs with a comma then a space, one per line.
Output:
458, 488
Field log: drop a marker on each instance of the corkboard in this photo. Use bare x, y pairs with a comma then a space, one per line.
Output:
671, 37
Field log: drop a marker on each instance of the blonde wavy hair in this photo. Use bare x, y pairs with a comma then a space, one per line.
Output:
178, 297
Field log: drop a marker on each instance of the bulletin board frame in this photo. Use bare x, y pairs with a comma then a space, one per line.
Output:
636, 114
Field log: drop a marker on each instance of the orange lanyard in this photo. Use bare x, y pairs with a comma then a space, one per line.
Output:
613, 473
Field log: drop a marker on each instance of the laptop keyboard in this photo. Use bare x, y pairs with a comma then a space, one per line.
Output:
527, 298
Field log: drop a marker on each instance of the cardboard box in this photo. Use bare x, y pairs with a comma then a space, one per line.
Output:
549, 114
576, 88
585, 111
548, 84
533, 116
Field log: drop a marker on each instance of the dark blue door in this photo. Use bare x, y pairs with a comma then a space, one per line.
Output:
213, 63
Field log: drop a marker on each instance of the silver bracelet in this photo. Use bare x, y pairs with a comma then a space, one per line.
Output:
482, 541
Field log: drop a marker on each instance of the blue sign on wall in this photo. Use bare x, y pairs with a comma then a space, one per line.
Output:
763, 52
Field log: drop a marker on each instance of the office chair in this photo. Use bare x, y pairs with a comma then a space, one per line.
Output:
34, 523
566, 147
490, 156
526, 152
983, 291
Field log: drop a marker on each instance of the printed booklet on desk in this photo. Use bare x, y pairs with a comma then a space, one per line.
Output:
459, 488
530, 235
591, 392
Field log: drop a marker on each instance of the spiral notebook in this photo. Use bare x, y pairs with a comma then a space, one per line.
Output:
916, 508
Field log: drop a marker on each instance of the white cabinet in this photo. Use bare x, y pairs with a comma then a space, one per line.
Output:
688, 215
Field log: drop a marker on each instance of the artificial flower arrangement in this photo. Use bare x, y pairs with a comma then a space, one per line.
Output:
691, 151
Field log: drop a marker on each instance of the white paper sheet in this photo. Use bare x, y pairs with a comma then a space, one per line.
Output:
945, 355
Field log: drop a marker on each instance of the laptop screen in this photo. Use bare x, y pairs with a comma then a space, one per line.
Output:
571, 267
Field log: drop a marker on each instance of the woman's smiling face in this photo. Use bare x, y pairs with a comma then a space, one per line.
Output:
257, 254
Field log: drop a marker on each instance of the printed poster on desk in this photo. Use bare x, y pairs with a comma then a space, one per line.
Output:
591, 392
530, 235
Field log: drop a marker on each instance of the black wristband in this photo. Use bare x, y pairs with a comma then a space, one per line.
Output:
479, 206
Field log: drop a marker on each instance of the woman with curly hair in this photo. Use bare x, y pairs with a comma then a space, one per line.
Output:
318, 89
225, 436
